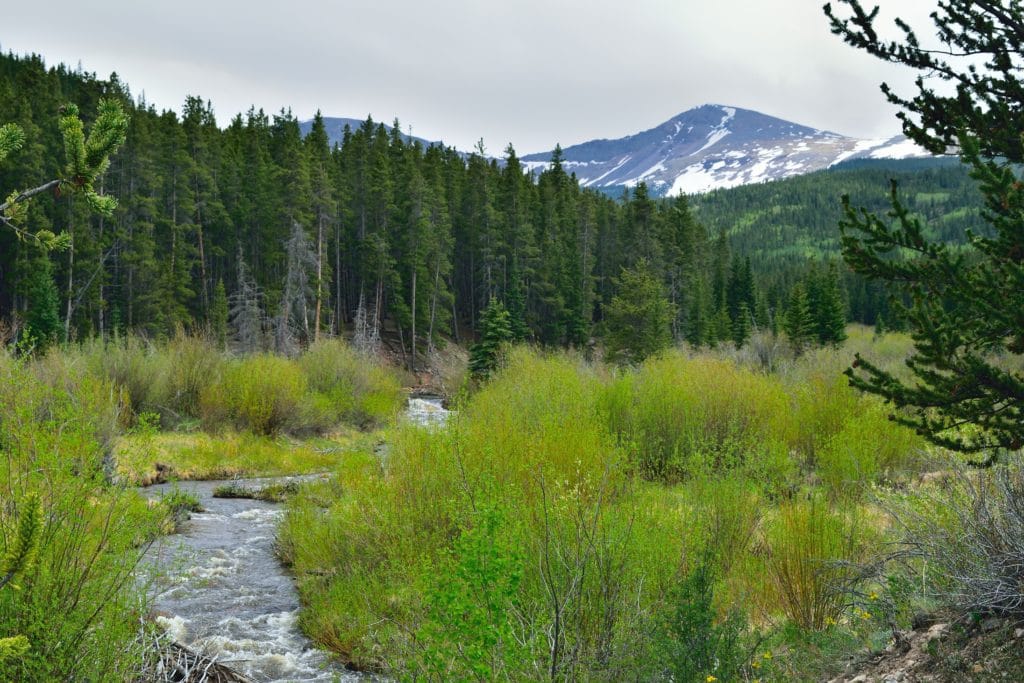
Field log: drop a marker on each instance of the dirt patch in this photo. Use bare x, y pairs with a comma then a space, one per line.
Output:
989, 649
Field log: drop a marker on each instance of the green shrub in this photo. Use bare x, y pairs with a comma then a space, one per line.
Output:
810, 557
590, 555
352, 387
128, 364
868, 448
187, 365
91, 535
679, 416
262, 393
694, 644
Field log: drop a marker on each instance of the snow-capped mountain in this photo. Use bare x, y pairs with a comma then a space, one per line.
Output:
715, 146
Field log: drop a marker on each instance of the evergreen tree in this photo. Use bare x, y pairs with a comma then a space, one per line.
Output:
42, 319
799, 323
830, 315
495, 330
639, 317
741, 326
964, 308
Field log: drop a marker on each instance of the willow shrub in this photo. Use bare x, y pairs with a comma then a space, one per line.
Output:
811, 556
681, 416
354, 388
187, 365
263, 393
526, 477
78, 603
128, 364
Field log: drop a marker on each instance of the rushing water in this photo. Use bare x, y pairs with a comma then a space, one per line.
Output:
426, 410
219, 588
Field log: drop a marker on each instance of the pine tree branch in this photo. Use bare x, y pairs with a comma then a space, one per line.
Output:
28, 194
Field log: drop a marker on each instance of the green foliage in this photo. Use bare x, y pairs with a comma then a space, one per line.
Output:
262, 393
219, 315
87, 160
57, 421
180, 504
42, 319
675, 427
355, 388
470, 611
957, 298
696, 645
12, 138
798, 323
811, 562
495, 330
22, 551
638, 317
519, 542
13, 648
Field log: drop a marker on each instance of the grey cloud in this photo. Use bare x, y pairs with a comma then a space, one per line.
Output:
531, 72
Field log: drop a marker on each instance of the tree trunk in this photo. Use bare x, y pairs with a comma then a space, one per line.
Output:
412, 357
319, 277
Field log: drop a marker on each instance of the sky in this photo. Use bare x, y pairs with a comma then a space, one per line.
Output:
529, 72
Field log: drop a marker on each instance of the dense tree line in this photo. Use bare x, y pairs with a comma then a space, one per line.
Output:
270, 239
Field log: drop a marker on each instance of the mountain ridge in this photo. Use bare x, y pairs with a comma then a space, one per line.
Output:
716, 146
705, 148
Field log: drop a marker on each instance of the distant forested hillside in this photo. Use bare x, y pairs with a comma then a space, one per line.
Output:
271, 238
794, 219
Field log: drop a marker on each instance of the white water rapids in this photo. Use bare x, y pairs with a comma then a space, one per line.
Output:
218, 587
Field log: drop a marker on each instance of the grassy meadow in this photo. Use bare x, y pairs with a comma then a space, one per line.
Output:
720, 515
692, 519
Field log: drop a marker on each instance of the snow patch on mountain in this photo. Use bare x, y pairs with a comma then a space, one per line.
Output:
716, 146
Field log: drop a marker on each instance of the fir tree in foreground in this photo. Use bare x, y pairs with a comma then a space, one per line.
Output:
967, 306
495, 330
638, 318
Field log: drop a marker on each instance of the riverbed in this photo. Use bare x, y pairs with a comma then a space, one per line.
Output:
218, 587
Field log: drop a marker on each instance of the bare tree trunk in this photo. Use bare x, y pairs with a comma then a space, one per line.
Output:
412, 357
100, 320
202, 262
433, 303
319, 277
338, 304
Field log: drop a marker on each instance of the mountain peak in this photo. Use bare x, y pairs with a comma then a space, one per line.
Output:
713, 146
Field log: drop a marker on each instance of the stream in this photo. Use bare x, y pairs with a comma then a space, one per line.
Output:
218, 588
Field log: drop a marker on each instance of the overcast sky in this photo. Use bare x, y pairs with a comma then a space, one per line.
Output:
530, 72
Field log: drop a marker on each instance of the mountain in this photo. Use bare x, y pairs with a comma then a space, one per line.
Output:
335, 127
715, 146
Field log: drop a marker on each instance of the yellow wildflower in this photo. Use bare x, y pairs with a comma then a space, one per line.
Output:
710, 679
